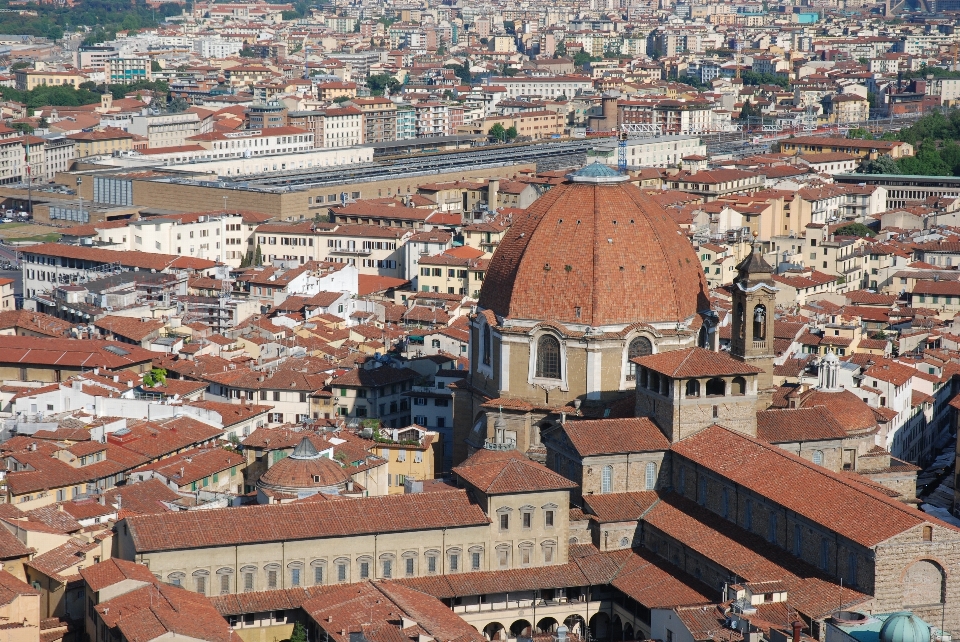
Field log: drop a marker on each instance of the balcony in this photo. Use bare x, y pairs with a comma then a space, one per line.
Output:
759, 345
352, 251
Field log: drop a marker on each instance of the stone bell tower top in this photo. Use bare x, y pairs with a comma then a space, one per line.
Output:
754, 302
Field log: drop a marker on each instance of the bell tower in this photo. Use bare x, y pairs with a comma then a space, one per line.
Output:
754, 302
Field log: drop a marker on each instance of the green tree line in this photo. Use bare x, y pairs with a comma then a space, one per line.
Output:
87, 94
936, 152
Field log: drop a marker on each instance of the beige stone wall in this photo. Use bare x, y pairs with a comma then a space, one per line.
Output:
294, 205
629, 472
915, 574
679, 417
537, 537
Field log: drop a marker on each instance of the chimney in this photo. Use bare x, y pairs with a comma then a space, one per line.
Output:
493, 193
103, 500
797, 627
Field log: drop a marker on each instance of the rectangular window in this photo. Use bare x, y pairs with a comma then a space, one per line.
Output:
409, 567
504, 522
364, 570
548, 519
548, 555
475, 561
454, 562
431, 564
224, 584
248, 581
271, 579
527, 520
387, 569
341, 572
295, 577
318, 575
202, 585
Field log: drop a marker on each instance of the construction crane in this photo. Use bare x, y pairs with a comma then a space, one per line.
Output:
622, 152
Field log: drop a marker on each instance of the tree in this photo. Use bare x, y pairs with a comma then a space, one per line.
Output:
860, 132
882, 165
155, 66
257, 256
510, 27
511, 132
378, 83
462, 71
581, 58
749, 111
854, 229
299, 633
926, 162
156, 377
25, 128
497, 132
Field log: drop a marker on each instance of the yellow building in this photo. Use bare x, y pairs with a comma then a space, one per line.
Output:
412, 453
28, 79
103, 142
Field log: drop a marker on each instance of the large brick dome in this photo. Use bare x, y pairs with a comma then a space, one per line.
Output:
597, 251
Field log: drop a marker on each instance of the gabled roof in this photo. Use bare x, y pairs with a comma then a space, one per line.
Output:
277, 522
808, 490
608, 436
510, 474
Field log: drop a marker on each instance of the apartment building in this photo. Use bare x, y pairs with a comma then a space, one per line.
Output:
374, 250
459, 270
58, 155
543, 86
379, 119
333, 127
218, 237
48, 265
103, 142
126, 71
255, 142
165, 130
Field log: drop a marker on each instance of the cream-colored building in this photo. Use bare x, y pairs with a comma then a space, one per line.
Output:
215, 237
165, 130
28, 79
518, 524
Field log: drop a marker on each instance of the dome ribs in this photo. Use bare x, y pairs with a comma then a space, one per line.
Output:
626, 261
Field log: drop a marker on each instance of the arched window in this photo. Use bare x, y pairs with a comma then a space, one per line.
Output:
759, 323
606, 480
487, 345
650, 475
693, 388
639, 347
548, 357
739, 386
716, 387
818, 457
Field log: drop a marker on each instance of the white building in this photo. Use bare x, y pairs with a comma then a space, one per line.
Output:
244, 165
545, 86
165, 130
660, 151
215, 237
217, 47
